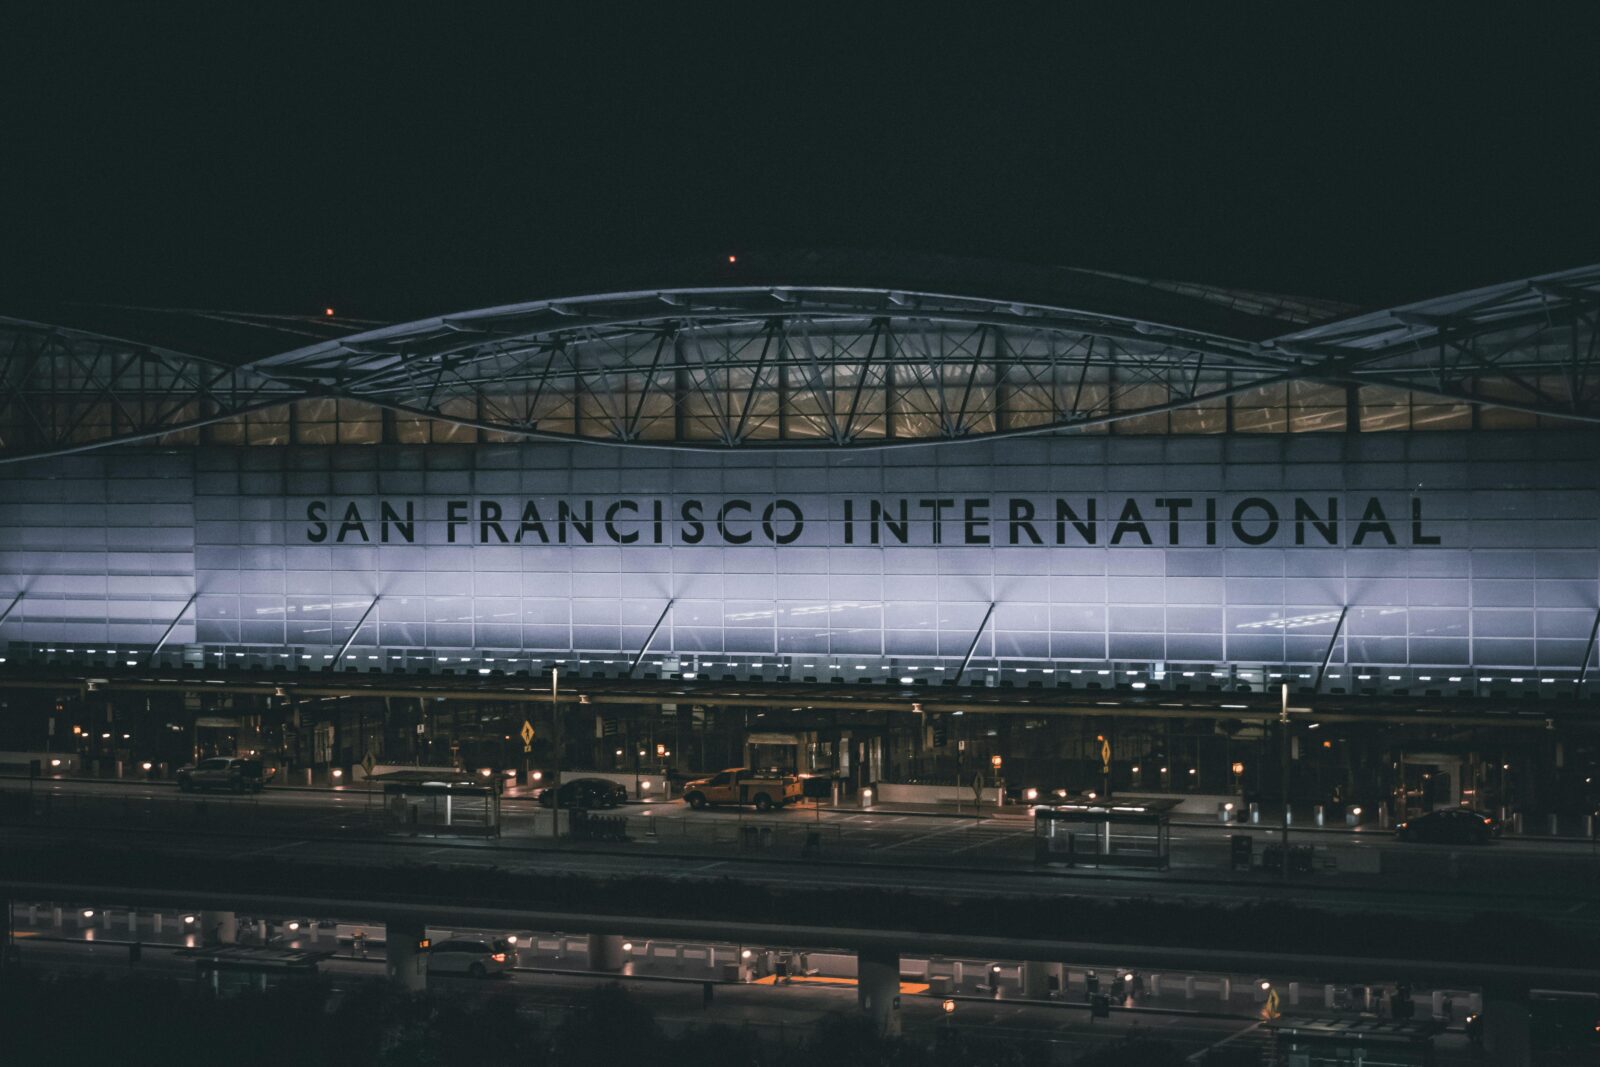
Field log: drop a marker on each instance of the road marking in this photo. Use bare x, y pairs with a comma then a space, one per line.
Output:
993, 840
272, 848
923, 837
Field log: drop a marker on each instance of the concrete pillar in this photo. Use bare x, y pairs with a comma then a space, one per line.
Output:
1036, 978
605, 952
1507, 1033
55, 917
405, 964
1225, 989
155, 922
878, 987
219, 927
1294, 994
1327, 997
133, 921
1188, 987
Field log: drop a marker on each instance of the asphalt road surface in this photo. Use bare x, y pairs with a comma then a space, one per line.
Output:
987, 856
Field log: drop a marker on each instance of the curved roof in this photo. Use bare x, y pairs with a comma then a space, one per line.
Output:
815, 350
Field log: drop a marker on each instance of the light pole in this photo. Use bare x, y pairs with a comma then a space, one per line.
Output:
1283, 747
555, 737
1000, 787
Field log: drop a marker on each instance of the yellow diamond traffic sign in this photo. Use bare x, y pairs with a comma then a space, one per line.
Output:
527, 732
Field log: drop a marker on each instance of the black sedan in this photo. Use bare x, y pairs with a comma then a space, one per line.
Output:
1451, 826
586, 793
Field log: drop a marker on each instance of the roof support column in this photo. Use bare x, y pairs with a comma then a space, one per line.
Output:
1332, 641
4, 615
645, 648
1583, 672
976, 637
171, 626
352, 638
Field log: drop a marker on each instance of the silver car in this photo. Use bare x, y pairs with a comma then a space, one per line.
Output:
473, 957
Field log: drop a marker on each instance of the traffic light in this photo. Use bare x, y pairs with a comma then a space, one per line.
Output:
941, 732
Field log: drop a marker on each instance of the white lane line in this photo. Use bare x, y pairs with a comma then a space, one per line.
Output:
272, 848
992, 841
923, 837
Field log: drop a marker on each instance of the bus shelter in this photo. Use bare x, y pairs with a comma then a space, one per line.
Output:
1342, 1042
1123, 833
438, 803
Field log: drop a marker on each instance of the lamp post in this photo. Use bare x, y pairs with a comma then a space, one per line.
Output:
555, 736
1283, 750
1000, 785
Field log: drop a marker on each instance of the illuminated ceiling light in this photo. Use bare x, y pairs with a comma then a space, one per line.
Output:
327, 313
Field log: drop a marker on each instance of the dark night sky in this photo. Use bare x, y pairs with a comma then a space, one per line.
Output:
406, 160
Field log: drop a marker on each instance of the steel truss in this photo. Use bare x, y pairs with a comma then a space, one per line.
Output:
753, 367
67, 391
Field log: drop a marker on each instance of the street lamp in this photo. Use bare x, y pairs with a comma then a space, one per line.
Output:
555, 780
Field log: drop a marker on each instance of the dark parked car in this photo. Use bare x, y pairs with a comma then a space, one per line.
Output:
1453, 826
586, 793
224, 772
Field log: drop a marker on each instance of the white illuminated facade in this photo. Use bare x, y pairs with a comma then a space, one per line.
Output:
1483, 558
1069, 478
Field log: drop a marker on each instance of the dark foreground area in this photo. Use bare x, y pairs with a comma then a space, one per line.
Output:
1263, 926
143, 1020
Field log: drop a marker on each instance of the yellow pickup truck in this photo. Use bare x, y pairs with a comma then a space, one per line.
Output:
741, 785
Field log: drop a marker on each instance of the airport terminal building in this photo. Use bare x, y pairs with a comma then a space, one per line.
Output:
891, 518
